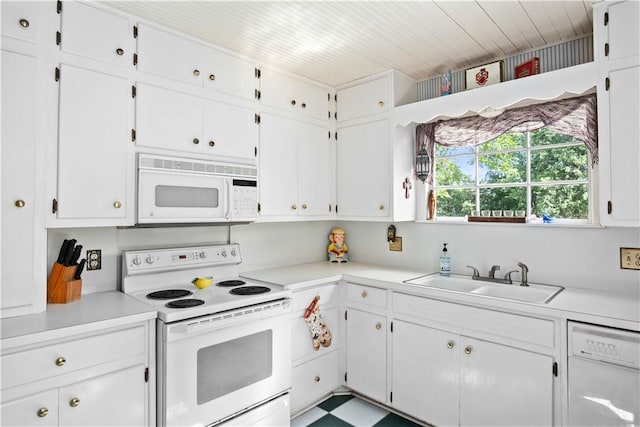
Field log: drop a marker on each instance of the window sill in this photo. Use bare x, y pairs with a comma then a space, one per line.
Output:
536, 223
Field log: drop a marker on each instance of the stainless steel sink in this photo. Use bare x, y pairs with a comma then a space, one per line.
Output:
534, 293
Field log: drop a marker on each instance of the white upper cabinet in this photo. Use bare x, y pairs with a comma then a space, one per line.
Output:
617, 54
96, 34
95, 163
230, 131
166, 54
22, 20
295, 96
363, 100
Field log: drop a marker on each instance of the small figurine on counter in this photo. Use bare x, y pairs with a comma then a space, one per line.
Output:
338, 247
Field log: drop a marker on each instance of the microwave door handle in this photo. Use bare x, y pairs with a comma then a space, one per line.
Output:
227, 183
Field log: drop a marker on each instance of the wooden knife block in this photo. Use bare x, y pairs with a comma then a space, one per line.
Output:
61, 286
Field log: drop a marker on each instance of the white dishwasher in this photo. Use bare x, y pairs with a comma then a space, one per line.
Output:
603, 375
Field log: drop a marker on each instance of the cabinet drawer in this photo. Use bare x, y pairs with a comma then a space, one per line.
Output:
329, 294
506, 325
367, 295
313, 379
35, 364
302, 344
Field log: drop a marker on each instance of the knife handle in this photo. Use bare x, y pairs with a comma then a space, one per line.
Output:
80, 268
63, 251
76, 255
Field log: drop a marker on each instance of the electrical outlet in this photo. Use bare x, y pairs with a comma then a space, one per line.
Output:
94, 259
396, 244
630, 258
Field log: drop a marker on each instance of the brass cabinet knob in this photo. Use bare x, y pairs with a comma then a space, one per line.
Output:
294, 207
120, 51
20, 203
363, 294
304, 206
43, 412
196, 72
24, 23
303, 105
381, 207
196, 141
74, 402
467, 350
60, 361
380, 104
117, 204
317, 378
212, 77
450, 345
378, 325
212, 143
293, 102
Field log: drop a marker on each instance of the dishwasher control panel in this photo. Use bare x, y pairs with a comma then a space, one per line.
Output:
617, 346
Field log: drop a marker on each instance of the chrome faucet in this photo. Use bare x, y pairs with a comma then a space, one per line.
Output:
524, 270
492, 272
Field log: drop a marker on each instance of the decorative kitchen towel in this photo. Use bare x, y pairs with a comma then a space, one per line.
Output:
320, 334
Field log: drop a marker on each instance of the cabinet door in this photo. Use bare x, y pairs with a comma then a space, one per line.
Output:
39, 409
278, 166
314, 170
229, 131
114, 399
362, 174
20, 276
313, 380
364, 99
278, 90
504, 386
367, 354
21, 20
312, 101
229, 74
621, 150
425, 373
94, 177
165, 54
93, 33
624, 32
168, 119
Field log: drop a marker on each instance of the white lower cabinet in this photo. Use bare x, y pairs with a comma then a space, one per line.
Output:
445, 378
315, 372
96, 379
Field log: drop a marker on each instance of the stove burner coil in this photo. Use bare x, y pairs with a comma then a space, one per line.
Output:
169, 294
250, 290
185, 303
230, 283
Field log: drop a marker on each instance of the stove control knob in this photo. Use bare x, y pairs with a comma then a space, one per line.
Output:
233, 252
224, 253
136, 261
150, 260
202, 254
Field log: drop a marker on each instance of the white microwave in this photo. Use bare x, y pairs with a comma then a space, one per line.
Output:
174, 190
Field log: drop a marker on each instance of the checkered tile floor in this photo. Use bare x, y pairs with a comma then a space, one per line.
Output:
345, 411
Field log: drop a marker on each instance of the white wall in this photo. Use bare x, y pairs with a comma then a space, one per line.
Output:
572, 257
261, 245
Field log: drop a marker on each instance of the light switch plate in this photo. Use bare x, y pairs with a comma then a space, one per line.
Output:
396, 245
630, 258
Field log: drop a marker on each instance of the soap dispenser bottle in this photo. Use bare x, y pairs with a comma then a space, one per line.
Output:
445, 262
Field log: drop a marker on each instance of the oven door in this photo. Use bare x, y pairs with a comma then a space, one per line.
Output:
214, 367
167, 197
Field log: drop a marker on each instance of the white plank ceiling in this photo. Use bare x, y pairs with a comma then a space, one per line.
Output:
334, 42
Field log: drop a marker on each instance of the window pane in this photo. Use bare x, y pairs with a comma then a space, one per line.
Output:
505, 142
441, 150
455, 202
507, 167
455, 171
503, 198
561, 201
559, 164
544, 136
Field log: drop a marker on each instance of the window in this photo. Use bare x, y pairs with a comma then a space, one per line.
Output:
534, 159
539, 172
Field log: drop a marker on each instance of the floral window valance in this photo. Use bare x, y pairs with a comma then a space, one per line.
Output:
576, 117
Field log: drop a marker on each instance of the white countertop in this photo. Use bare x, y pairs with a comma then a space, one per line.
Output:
89, 313
610, 309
